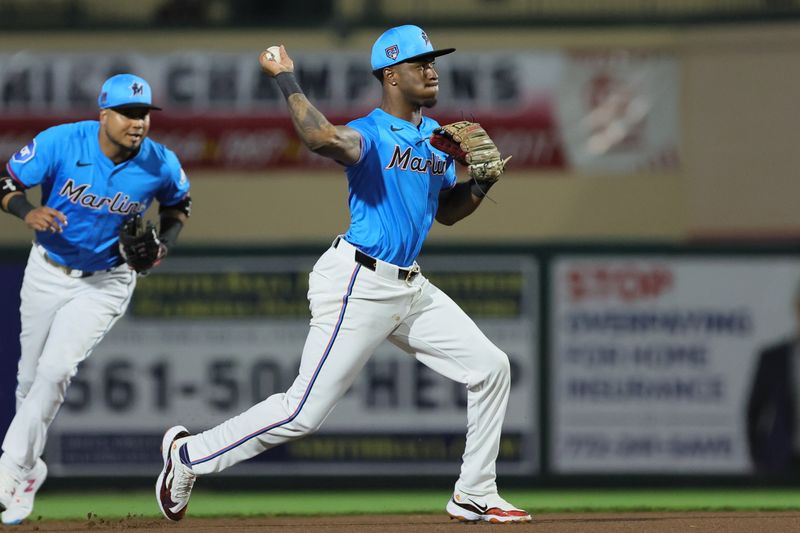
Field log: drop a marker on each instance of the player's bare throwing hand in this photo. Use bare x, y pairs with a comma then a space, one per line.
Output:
367, 287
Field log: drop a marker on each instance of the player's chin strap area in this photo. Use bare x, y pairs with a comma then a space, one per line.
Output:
381, 268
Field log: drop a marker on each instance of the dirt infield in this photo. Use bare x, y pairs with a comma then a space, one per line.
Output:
693, 522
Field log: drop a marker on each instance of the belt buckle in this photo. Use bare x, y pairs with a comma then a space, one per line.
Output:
70, 272
412, 273
73, 272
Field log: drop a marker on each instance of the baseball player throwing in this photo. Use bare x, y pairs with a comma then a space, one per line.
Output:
367, 287
96, 178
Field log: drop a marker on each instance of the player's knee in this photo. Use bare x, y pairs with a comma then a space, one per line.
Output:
305, 430
23, 386
306, 423
57, 374
497, 368
502, 366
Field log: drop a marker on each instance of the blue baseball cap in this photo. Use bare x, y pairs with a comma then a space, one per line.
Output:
125, 90
403, 43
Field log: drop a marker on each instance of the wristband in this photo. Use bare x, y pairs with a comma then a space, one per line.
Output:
288, 84
170, 228
19, 206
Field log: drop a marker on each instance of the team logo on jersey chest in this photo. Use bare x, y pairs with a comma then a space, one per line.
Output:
119, 204
404, 161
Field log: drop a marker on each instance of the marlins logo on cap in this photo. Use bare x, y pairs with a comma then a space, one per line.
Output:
403, 43
125, 90
392, 52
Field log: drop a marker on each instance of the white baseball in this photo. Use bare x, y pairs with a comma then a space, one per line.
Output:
274, 53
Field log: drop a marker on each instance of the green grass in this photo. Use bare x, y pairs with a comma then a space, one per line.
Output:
108, 505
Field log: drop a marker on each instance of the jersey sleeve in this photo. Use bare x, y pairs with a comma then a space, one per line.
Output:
176, 184
35, 162
369, 136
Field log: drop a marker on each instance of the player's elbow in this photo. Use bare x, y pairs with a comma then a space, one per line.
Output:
321, 140
337, 151
319, 147
445, 220
448, 213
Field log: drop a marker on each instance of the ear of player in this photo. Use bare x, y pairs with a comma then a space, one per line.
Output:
139, 244
469, 144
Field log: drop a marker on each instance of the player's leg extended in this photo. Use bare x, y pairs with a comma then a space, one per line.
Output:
96, 304
441, 336
352, 312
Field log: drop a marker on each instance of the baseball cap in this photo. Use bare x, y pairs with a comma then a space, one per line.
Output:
125, 90
403, 43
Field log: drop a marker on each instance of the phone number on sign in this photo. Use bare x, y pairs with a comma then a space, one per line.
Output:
596, 446
229, 384
120, 385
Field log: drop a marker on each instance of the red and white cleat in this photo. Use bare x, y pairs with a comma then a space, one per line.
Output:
174, 484
21, 505
491, 508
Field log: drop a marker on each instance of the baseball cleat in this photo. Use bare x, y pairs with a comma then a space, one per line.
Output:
174, 484
8, 484
491, 508
22, 503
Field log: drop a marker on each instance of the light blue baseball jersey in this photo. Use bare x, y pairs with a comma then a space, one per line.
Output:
394, 186
94, 194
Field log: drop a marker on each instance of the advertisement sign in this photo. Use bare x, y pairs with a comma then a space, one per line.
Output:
609, 111
203, 341
653, 359
617, 111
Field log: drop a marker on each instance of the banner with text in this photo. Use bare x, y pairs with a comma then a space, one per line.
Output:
610, 111
653, 359
203, 341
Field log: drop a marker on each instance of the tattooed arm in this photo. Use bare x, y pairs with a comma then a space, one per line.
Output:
336, 142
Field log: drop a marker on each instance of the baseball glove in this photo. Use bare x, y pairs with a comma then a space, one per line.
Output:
469, 144
139, 245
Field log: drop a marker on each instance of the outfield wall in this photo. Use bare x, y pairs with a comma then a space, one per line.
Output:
628, 361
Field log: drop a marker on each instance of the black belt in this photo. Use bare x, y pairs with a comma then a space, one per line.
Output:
405, 274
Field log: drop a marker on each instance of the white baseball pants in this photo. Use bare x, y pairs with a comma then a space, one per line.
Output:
63, 319
353, 310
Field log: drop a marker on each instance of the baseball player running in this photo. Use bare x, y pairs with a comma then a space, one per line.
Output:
96, 178
367, 287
